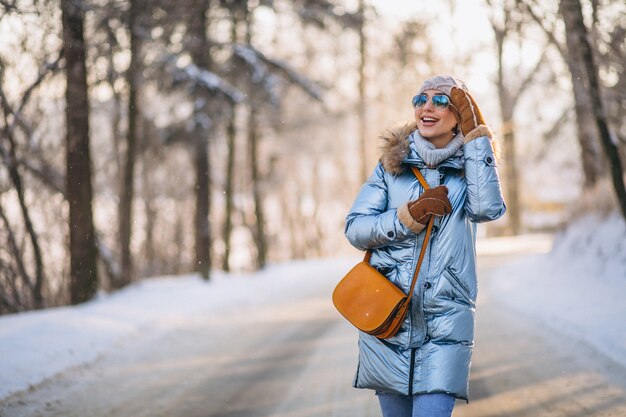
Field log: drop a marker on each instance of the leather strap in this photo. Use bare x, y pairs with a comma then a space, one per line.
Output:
429, 230
420, 178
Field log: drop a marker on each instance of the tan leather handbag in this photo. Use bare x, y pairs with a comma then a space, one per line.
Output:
368, 300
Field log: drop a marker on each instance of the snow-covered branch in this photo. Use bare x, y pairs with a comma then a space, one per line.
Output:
264, 69
309, 86
260, 73
205, 79
321, 12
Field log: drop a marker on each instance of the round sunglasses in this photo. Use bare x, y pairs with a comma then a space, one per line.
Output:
440, 101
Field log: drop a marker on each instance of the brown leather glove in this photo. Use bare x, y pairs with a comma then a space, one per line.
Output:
433, 201
472, 123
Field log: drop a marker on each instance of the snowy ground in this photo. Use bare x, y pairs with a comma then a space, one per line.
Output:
577, 289
36, 345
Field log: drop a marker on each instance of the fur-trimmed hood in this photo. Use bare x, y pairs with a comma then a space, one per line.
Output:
395, 147
399, 149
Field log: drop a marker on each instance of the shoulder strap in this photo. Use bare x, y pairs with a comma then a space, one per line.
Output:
429, 230
420, 178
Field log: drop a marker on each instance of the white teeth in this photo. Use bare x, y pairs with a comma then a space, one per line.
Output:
428, 119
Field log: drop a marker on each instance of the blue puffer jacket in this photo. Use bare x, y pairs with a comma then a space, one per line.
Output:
432, 351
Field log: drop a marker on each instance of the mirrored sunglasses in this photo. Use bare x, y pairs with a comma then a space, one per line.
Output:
440, 101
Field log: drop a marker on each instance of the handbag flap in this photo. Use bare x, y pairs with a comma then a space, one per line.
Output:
366, 297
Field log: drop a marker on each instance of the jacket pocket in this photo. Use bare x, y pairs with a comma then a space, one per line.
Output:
458, 285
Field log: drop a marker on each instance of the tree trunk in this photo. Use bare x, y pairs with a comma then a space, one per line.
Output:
511, 174
151, 213
199, 51
510, 159
228, 190
132, 136
83, 253
578, 43
230, 163
259, 230
317, 232
203, 241
587, 136
179, 244
591, 159
291, 216
361, 107
587, 132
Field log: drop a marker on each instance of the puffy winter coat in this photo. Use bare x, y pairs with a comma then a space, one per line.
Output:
432, 351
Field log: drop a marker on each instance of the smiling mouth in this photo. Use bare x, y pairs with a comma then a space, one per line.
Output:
429, 121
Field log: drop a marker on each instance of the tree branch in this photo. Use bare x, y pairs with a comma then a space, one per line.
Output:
548, 32
551, 133
8, 7
259, 63
46, 69
15, 250
529, 78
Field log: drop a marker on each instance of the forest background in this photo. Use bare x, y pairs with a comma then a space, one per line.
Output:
142, 138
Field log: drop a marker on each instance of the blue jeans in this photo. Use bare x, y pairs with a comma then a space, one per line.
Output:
419, 405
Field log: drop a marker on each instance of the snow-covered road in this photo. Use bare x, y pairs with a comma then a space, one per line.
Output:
523, 367
269, 364
250, 356
291, 358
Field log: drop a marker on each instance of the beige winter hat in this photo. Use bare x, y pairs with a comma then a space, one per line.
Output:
443, 83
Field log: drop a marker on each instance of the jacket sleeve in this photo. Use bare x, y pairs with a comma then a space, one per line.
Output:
484, 200
370, 224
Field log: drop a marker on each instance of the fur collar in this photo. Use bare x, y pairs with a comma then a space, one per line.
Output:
395, 147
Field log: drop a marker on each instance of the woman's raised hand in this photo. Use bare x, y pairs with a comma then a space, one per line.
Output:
472, 123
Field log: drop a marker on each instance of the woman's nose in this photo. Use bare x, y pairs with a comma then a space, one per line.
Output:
429, 105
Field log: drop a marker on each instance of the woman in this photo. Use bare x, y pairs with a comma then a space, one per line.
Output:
425, 366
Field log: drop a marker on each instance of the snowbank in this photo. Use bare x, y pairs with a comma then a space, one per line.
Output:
578, 288
37, 345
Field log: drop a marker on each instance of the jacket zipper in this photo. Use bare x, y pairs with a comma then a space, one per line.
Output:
411, 371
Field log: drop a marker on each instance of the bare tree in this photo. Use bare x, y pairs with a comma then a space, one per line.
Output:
590, 155
235, 8
10, 159
265, 89
127, 192
362, 105
83, 252
259, 235
503, 26
198, 48
45, 173
578, 45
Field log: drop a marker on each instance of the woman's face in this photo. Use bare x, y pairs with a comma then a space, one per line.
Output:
434, 124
